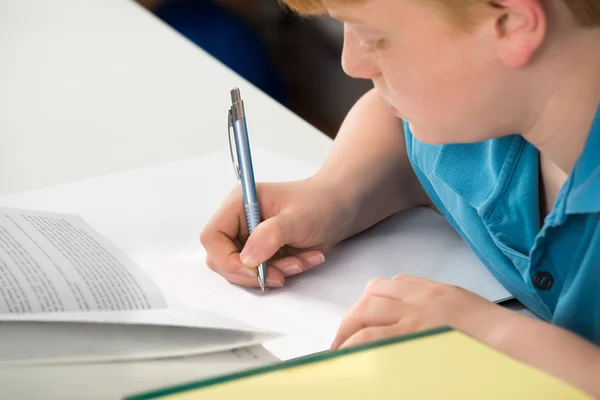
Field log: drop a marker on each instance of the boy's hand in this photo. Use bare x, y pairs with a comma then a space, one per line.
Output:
406, 304
301, 220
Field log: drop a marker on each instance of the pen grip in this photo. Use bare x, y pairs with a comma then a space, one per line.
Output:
252, 216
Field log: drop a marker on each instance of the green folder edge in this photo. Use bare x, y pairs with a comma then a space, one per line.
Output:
311, 358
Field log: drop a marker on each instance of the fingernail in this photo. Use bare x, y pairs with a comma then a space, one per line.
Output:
250, 256
317, 259
246, 272
291, 270
274, 283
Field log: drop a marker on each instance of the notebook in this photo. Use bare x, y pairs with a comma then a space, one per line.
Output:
441, 363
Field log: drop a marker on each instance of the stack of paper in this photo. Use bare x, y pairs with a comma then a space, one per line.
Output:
147, 222
155, 215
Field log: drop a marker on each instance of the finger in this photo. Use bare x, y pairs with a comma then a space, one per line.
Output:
396, 288
275, 279
268, 238
368, 312
414, 288
300, 262
223, 256
220, 237
372, 334
412, 279
241, 269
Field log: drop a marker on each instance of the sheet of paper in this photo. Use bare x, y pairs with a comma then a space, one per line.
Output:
417, 242
55, 268
155, 214
26, 342
73, 382
160, 211
51, 263
179, 316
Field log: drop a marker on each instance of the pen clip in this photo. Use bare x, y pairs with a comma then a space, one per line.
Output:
236, 168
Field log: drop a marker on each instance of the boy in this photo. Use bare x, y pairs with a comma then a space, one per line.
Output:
495, 122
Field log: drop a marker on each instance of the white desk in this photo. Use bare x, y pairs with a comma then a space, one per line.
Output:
89, 87
92, 87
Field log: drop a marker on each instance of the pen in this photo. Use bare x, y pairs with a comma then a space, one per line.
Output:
244, 170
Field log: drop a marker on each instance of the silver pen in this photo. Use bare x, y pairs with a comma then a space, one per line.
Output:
244, 170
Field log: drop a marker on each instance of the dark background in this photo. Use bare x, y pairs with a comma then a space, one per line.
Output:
295, 60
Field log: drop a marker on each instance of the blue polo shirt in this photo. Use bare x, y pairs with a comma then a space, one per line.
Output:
489, 192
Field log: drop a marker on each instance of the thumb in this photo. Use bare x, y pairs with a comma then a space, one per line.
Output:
266, 240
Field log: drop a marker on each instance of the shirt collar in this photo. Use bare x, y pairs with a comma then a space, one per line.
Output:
584, 183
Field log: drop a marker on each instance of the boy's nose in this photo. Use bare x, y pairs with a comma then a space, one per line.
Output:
356, 62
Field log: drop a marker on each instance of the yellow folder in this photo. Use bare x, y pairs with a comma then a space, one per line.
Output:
438, 364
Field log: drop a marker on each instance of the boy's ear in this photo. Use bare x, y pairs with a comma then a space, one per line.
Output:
519, 30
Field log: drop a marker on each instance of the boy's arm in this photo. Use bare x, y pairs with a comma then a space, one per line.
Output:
368, 165
549, 348
408, 304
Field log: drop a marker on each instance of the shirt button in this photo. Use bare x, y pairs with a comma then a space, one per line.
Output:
543, 280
